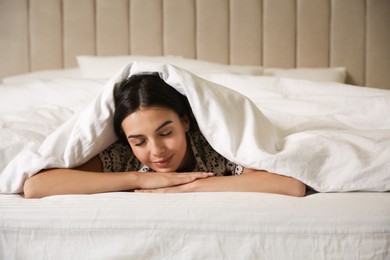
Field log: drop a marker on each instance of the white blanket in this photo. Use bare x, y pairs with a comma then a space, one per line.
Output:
330, 142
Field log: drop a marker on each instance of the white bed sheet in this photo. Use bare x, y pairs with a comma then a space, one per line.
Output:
196, 226
72, 94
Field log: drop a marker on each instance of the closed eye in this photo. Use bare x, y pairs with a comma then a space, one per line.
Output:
166, 133
139, 142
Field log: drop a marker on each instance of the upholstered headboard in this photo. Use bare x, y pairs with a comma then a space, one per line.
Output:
49, 34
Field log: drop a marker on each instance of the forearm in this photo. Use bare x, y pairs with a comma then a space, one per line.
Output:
68, 181
255, 181
71, 181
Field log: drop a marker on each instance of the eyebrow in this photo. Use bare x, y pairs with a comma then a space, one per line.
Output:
158, 128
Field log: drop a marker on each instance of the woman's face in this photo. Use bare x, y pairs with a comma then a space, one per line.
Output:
157, 137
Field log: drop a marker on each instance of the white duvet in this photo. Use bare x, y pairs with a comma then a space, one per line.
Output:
333, 137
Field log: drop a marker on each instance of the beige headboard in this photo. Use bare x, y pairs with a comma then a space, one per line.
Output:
49, 34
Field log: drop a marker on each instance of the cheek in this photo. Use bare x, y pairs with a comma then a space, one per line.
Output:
179, 144
140, 153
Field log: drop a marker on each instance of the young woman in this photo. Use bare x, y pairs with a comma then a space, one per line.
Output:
160, 149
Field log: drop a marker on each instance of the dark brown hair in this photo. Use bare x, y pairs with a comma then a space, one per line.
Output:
145, 90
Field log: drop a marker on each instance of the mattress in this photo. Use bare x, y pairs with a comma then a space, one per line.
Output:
196, 226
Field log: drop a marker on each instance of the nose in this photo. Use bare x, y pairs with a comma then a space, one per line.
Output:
158, 148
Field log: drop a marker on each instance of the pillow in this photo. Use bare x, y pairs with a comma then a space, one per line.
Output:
201, 67
106, 66
71, 73
337, 74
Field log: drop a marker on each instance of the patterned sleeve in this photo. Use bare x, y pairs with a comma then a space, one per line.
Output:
210, 160
235, 169
118, 157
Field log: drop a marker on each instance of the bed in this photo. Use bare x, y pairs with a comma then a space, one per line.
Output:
309, 66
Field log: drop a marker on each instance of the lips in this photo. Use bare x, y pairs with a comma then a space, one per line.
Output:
164, 162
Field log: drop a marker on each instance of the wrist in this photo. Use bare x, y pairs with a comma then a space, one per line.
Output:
198, 185
132, 181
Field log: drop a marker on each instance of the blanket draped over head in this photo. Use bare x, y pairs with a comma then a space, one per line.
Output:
335, 157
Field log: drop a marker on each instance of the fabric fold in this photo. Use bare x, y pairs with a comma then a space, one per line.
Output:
328, 160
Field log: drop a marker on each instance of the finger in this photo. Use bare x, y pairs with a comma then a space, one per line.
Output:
197, 174
184, 179
190, 177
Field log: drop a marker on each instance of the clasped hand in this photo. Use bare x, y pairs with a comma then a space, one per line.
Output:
169, 181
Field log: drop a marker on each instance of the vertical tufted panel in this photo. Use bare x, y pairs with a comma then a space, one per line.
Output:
179, 28
313, 33
348, 38
14, 53
246, 32
45, 34
378, 44
212, 30
49, 34
279, 33
79, 30
112, 27
146, 36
